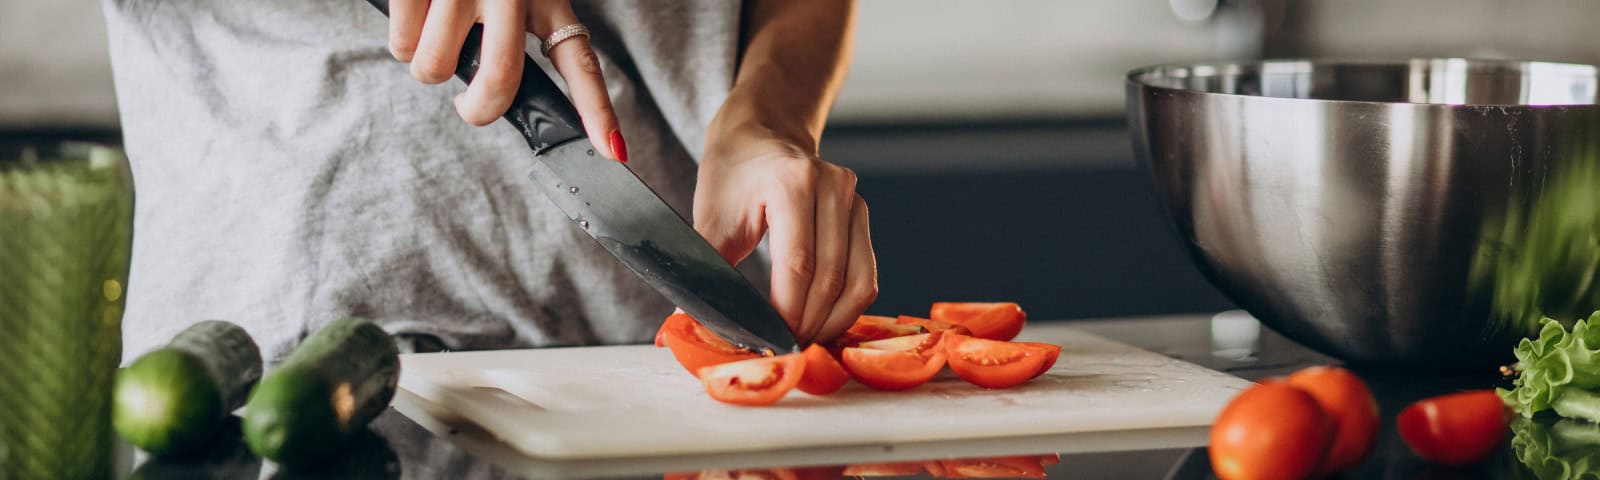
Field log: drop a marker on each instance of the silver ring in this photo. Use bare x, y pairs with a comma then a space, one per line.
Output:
561, 35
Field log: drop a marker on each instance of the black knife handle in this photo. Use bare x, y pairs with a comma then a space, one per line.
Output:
543, 115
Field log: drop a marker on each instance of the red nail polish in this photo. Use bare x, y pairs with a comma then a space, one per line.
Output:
619, 147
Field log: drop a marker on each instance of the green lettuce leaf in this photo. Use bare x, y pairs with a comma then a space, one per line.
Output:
1556, 363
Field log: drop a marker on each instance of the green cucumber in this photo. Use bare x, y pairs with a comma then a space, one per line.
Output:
324, 393
170, 401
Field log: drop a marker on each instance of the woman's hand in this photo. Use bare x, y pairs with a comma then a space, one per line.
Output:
824, 272
429, 35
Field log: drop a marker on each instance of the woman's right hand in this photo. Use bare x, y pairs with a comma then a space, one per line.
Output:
429, 35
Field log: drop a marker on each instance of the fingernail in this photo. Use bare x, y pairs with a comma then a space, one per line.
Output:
619, 147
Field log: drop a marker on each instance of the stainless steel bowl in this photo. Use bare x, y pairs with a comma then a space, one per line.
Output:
1425, 212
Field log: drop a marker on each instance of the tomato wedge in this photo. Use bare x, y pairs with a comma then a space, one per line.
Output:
892, 370
697, 347
824, 375
996, 364
872, 327
991, 467
992, 321
920, 343
932, 325
755, 382
1456, 429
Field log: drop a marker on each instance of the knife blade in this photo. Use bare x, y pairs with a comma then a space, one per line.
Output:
620, 212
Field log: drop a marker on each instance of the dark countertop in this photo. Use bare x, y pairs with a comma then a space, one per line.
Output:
1230, 342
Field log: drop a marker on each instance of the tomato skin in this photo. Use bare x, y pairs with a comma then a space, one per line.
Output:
995, 364
824, 374
1456, 429
696, 347
1348, 402
992, 321
1270, 431
754, 382
1051, 354
892, 370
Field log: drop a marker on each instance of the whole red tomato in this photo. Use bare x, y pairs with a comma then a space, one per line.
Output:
1350, 405
1270, 431
1456, 429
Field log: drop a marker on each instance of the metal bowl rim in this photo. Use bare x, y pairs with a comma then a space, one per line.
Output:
1134, 78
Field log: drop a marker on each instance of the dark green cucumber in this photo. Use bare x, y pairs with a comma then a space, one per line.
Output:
324, 393
170, 401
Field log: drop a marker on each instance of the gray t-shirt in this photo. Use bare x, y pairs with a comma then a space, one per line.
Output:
289, 171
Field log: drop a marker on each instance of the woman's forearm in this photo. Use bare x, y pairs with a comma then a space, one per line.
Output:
793, 58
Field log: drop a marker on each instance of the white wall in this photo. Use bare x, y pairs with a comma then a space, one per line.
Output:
53, 65
915, 59
936, 60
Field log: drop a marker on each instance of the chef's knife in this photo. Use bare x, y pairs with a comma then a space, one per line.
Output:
626, 217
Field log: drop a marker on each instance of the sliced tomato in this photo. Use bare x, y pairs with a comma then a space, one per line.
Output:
932, 325
872, 327
824, 375
920, 343
1455, 429
1052, 353
697, 347
996, 364
1049, 459
992, 467
786, 473
828, 472
901, 469
892, 370
661, 335
757, 381
993, 321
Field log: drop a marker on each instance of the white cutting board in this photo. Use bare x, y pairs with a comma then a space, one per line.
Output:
621, 401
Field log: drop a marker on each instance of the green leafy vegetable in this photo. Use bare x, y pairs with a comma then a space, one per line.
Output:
1559, 371
1556, 449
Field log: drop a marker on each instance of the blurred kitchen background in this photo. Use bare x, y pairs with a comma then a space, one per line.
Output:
988, 136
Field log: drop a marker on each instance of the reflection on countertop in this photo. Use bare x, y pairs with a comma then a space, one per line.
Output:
434, 445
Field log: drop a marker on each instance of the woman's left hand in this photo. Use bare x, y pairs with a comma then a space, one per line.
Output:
824, 273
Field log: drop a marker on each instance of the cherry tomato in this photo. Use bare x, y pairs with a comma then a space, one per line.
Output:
901, 469
892, 370
1456, 429
993, 321
1027, 466
697, 347
1346, 400
757, 381
824, 375
1270, 431
996, 364
872, 327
